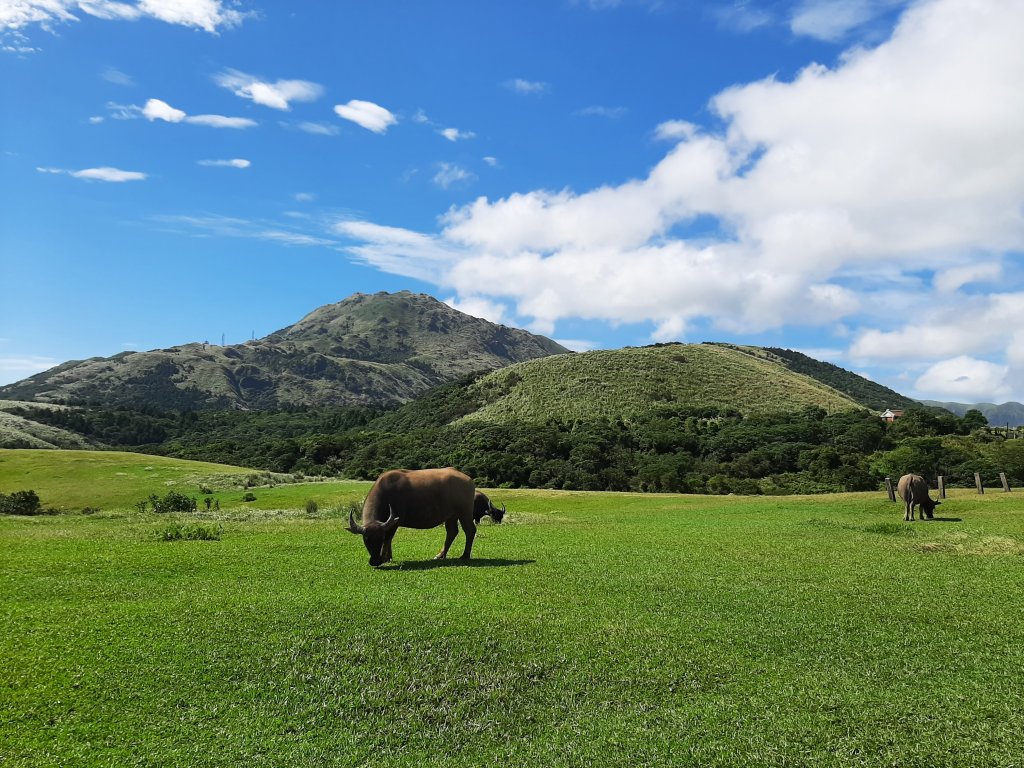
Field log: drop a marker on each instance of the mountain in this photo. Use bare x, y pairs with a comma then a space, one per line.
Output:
1011, 413
623, 384
380, 349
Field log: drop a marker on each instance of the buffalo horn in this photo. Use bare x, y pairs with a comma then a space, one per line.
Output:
353, 526
392, 521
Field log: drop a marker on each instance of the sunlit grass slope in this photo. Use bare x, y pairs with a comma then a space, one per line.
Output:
593, 629
626, 382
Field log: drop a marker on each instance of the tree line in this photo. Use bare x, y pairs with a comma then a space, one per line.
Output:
669, 448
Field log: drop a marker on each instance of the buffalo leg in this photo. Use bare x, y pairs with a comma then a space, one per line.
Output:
386, 549
451, 531
469, 527
908, 512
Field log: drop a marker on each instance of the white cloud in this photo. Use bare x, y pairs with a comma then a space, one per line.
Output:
965, 378
276, 95
155, 109
454, 134
478, 307
233, 163
219, 121
528, 87
304, 197
449, 174
208, 15
830, 195
370, 116
675, 130
955, 278
491, 161
104, 173
96, 119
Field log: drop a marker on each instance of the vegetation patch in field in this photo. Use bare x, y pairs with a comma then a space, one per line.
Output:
962, 543
190, 532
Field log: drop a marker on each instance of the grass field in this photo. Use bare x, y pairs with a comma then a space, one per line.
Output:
593, 629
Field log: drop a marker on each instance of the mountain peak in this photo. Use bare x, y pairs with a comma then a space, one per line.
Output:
368, 349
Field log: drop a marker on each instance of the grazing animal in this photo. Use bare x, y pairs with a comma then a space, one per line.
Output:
483, 506
914, 492
416, 498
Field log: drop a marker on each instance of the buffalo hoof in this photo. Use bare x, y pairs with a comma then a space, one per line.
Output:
441, 556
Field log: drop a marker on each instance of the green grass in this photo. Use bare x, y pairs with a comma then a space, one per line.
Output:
600, 629
112, 480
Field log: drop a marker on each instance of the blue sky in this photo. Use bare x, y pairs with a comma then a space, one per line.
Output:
842, 177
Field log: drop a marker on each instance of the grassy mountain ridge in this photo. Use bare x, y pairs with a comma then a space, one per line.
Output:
366, 350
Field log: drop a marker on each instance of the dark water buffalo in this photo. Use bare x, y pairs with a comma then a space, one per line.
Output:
416, 498
914, 492
483, 506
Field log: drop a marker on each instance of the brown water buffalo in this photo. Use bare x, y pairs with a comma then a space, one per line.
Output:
416, 498
914, 491
483, 506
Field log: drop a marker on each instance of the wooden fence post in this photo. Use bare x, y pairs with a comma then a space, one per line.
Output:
1004, 481
977, 482
942, 486
889, 490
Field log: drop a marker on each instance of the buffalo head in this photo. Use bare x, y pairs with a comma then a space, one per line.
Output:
376, 535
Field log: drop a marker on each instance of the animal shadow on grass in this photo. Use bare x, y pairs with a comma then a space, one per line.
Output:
427, 565
945, 520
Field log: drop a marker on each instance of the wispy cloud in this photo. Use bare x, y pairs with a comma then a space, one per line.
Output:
449, 174
104, 173
611, 113
233, 163
117, 77
276, 95
370, 116
832, 20
208, 15
529, 87
317, 129
227, 226
491, 161
155, 109
454, 134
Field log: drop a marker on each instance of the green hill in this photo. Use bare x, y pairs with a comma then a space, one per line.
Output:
383, 349
626, 383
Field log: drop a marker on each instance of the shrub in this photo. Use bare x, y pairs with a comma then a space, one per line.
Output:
20, 503
312, 507
190, 532
172, 501
249, 497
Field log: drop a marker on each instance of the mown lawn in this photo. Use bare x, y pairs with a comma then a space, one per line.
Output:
600, 629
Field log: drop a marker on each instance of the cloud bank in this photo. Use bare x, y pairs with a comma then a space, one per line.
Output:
207, 15
862, 197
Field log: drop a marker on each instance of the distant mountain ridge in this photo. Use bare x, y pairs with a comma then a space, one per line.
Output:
1011, 412
380, 349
